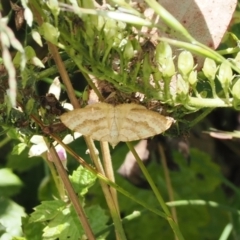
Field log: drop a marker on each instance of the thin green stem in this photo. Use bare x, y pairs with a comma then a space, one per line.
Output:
213, 87
199, 202
53, 70
209, 102
58, 182
228, 51
167, 179
72, 195
170, 220
200, 117
5, 141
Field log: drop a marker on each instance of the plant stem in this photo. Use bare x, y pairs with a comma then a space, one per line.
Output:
58, 181
72, 195
106, 180
108, 167
200, 117
168, 181
209, 102
5, 141
200, 202
120, 234
170, 220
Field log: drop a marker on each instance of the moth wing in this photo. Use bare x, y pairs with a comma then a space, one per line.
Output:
94, 120
137, 122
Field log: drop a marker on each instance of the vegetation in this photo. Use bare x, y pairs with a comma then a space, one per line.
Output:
56, 184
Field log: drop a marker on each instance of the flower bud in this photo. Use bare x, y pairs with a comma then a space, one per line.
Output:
168, 68
225, 74
192, 79
203, 94
209, 69
182, 88
163, 51
185, 63
128, 52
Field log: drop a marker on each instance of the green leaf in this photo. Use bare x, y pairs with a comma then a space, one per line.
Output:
32, 230
47, 189
10, 184
47, 211
12, 133
22, 162
30, 53
97, 218
18, 149
10, 217
199, 177
30, 106
66, 224
82, 180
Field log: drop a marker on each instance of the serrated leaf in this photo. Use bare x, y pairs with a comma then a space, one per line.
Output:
10, 183
82, 179
32, 231
47, 211
97, 218
66, 224
18, 149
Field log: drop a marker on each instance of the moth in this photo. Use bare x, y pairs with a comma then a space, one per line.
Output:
114, 124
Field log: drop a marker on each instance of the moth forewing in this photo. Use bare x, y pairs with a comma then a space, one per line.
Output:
124, 122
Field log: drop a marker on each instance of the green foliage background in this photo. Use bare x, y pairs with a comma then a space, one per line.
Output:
30, 207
